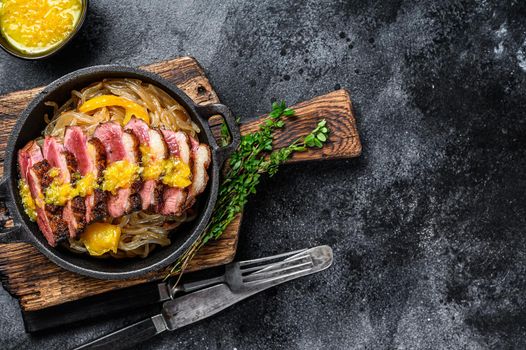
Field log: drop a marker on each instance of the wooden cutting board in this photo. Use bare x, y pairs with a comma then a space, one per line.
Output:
38, 283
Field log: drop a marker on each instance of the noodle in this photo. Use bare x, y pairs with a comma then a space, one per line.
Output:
140, 232
163, 110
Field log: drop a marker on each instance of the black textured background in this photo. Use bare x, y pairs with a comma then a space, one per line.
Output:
427, 225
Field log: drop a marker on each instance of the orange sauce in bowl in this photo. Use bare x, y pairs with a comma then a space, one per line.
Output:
36, 26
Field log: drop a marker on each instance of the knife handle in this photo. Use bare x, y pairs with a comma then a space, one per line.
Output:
95, 307
130, 336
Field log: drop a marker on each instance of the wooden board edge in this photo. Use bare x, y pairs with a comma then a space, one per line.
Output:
355, 122
4, 280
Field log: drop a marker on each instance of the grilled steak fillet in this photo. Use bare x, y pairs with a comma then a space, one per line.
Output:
34, 170
58, 157
91, 159
120, 145
201, 158
154, 142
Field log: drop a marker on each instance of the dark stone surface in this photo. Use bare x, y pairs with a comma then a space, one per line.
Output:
427, 226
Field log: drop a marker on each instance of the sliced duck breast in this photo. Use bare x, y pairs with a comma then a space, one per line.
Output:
27, 157
178, 144
58, 157
151, 141
54, 154
174, 198
91, 159
201, 157
120, 145
34, 170
76, 142
97, 208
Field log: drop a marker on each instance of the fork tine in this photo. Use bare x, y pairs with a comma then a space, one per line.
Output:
276, 268
268, 258
261, 268
269, 280
275, 273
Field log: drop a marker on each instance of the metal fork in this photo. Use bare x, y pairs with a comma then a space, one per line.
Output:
305, 262
237, 273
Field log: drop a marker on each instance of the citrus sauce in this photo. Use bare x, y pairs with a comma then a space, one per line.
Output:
27, 201
58, 193
121, 174
36, 26
172, 171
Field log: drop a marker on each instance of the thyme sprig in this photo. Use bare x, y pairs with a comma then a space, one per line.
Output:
254, 157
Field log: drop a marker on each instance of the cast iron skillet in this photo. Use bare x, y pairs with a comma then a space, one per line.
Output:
30, 125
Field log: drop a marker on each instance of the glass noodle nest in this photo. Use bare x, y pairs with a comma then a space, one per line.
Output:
140, 232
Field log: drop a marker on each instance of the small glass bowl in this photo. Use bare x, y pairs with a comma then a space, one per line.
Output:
4, 44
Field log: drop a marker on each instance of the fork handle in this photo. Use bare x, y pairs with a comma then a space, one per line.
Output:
193, 286
130, 336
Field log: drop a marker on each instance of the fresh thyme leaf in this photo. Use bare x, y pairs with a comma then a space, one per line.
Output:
254, 157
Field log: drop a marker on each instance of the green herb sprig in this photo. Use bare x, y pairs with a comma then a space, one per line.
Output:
253, 158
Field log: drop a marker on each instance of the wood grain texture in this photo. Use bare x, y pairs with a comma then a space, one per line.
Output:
336, 109
48, 285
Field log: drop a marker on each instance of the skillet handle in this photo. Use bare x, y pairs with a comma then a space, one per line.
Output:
8, 234
210, 110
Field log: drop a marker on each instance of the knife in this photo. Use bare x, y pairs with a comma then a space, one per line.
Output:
134, 298
196, 306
